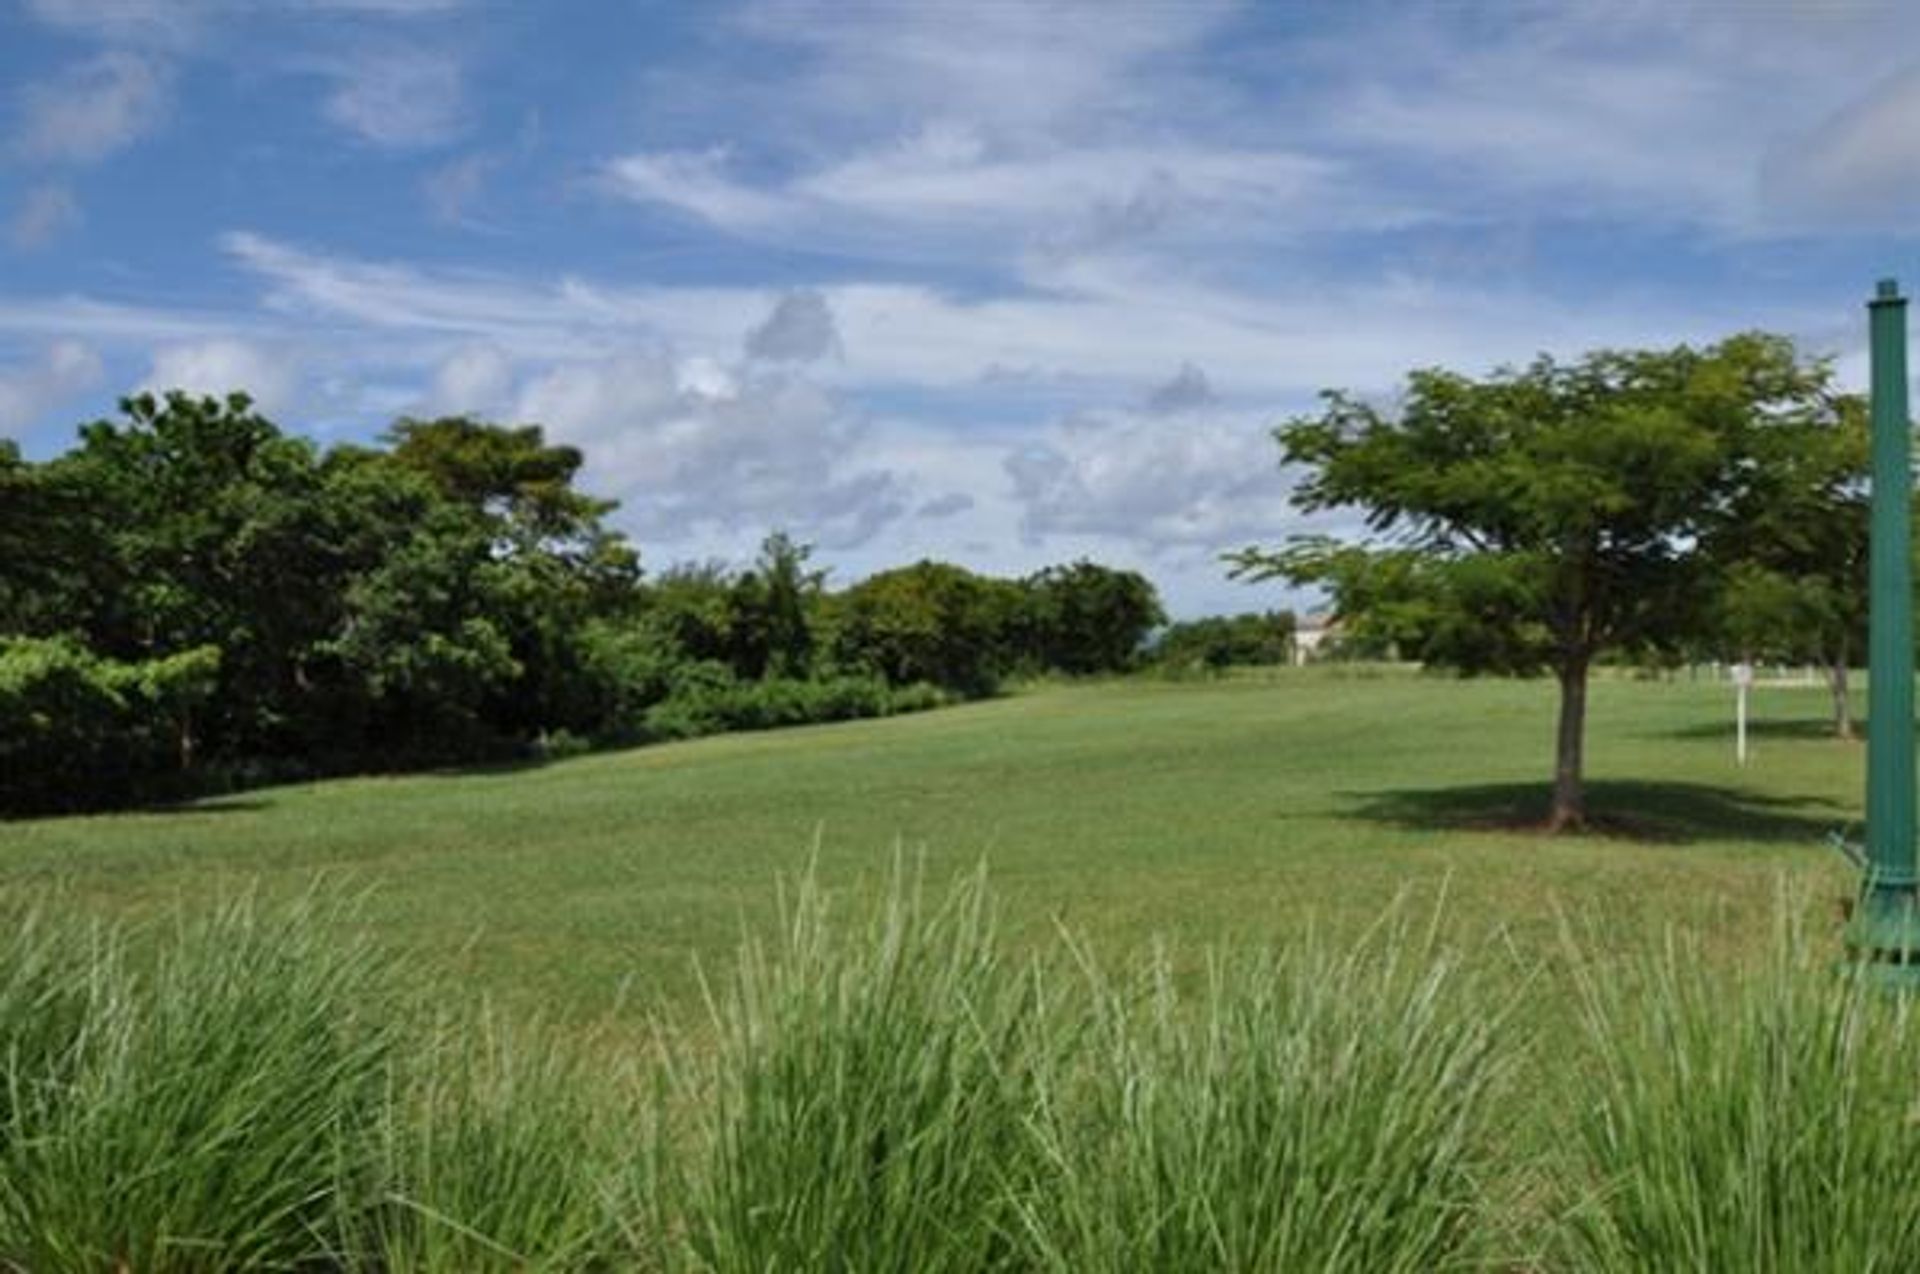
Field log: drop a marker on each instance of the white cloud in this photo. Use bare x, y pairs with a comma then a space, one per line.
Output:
930, 198
1095, 327
1151, 481
475, 380
1014, 67
704, 454
399, 98
45, 212
696, 182
225, 365
93, 108
168, 24
28, 391
1861, 163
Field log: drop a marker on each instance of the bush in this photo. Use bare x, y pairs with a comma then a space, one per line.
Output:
81, 732
707, 704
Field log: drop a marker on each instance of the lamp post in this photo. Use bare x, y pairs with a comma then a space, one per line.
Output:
1885, 933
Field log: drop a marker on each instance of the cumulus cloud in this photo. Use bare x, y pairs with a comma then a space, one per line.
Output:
1152, 482
399, 98
799, 330
93, 108
226, 365
45, 212
695, 450
28, 390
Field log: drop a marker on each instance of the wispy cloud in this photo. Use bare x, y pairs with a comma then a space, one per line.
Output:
93, 108
400, 98
44, 213
58, 373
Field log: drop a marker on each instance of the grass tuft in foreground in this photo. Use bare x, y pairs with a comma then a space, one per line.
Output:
866, 1099
1762, 1121
1304, 1109
251, 1089
211, 1111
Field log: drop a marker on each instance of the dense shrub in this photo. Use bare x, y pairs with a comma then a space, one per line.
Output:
1226, 641
710, 702
78, 731
931, 621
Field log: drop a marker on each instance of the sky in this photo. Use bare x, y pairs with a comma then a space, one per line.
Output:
1002, 283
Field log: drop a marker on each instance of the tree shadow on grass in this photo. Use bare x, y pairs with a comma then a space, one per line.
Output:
1814, 728
1664, 813
207, 805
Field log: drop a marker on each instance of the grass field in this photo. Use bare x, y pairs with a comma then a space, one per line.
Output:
1238, 809
496, 1059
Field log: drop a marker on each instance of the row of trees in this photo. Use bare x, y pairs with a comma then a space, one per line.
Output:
1645, 504
190, 597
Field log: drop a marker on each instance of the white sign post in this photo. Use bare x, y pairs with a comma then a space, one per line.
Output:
1742, 682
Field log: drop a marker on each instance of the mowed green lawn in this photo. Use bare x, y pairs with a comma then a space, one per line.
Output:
1240, 809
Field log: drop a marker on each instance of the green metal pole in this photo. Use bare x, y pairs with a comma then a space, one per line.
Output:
1886, 928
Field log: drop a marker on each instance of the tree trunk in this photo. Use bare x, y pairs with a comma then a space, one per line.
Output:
1842, 704
1569, 795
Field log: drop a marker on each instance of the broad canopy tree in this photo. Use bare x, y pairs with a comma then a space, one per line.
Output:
1526, 521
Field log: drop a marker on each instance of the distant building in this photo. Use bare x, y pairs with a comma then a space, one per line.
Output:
1314, 637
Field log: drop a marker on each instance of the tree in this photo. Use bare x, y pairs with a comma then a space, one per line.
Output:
1793, 551
773, 609
195, 515
931, 621
1086, 618
1525, 521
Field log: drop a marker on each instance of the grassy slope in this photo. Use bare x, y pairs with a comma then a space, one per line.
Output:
1225, 809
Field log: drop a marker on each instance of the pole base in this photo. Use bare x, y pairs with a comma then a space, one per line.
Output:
1883, 938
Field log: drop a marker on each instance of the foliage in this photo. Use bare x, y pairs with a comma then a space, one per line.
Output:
1792, 556
77, 730
1085, 618
1227, 641
447, 595
932, 622
1533, 518
716, 702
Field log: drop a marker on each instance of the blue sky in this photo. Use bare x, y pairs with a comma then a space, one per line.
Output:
1006, 283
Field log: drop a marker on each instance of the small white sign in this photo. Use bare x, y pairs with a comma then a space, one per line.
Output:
1743, 675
